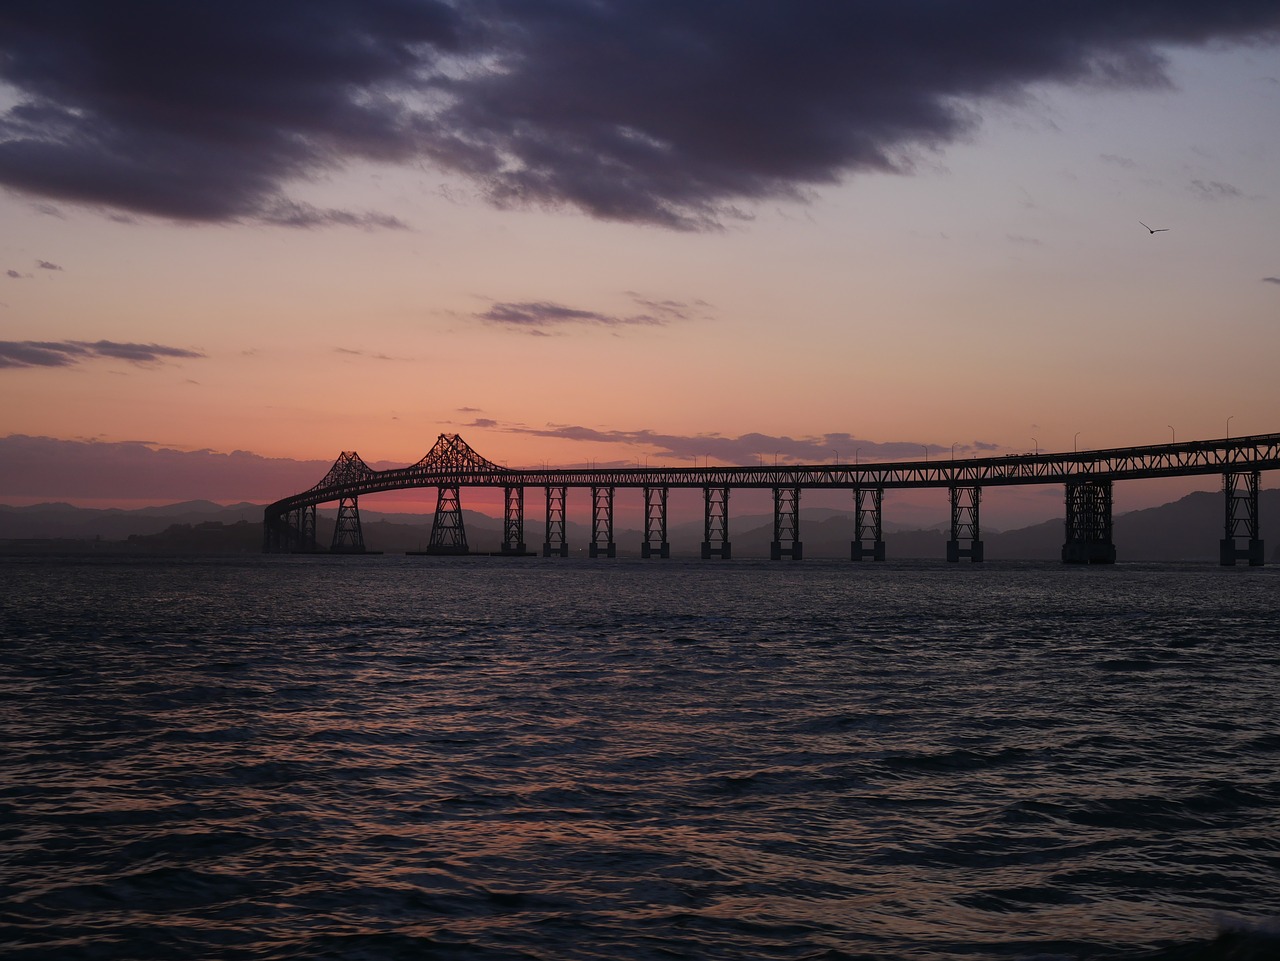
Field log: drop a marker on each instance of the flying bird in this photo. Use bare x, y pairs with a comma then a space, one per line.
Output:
1154, 230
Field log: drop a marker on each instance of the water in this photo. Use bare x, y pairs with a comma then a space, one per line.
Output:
485, 758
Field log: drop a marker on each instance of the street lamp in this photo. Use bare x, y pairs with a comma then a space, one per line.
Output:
1172, 433
953, 449
1229, 426
1075, 442
1037, 443
856, 452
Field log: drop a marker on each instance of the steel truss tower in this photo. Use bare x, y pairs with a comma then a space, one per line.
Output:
786, 524
868, 524
716, 523
348, 536
655, 523
448, 536
513, 521
602, 544
964, 524
1241, 490
1088, 535
555, 545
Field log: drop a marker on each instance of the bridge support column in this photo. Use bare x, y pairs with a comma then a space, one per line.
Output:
655, 523
1241, 490
348, 536
867, 524
275, 533
786, 524
602, 523
555, 545
966, 536
716, 523
294, 532
513, 521
448, 535
1088, 538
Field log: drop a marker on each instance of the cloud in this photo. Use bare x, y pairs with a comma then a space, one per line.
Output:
1271, 280
68, 353
1117, 160
361, 353
661, 112
137, 470
13, 274
45, 265
291, 214
1214, 190
536, 317
753, 448
542, 314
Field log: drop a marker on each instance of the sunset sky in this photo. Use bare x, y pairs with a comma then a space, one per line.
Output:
627, 232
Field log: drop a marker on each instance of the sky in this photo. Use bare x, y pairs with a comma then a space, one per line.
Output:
240, 238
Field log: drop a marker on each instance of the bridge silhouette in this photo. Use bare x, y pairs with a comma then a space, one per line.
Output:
289, 525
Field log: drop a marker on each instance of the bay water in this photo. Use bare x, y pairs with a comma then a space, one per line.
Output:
384, 757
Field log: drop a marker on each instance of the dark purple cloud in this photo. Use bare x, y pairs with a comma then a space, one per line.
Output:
76, 470
46, 265
1271, 280
68, 353
665, 112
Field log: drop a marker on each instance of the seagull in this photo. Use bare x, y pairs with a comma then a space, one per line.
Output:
1154, 230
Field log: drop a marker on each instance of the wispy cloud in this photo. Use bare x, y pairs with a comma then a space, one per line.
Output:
361, 353
1271, 280
538, 316
543, 314
13, 274
1215, 190
1117, 161
292, 214
69, 353
645, 111
46, 265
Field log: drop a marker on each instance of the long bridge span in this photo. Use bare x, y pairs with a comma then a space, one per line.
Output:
289, 525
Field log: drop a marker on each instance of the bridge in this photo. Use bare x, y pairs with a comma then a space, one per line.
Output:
289, 525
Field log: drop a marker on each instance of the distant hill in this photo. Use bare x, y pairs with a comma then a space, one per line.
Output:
44, 521
1186, 530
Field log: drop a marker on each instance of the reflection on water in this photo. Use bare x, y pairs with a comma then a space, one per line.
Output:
288, 757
